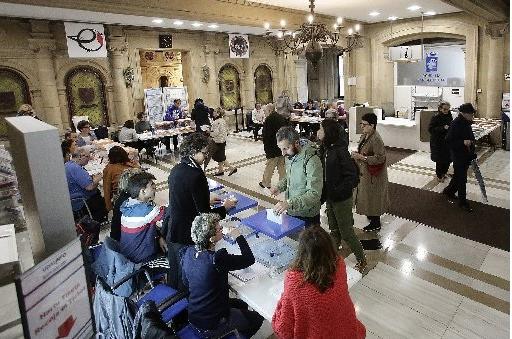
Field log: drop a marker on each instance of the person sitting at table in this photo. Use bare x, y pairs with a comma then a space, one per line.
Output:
315, 302
27, 110
70, 135
140, 238
309, 106
219, 134
118, 161
205, 274
83, 189
298, 105
142, 124
342, 114
188, 196
68, 146
258, 116
127, 134
85, 135
121, 196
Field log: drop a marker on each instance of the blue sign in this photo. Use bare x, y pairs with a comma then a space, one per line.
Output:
431, 62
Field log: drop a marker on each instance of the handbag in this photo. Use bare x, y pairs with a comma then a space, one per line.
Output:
375, 170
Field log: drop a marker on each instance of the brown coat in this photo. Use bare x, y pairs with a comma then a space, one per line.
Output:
111, 175
372, 198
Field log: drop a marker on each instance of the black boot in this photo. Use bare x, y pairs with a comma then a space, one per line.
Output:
374, 225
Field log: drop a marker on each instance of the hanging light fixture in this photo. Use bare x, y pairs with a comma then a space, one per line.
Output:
311, 38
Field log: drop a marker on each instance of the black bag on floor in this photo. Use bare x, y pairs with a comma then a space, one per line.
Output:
88, 230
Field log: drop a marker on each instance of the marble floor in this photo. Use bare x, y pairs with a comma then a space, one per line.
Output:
423, 283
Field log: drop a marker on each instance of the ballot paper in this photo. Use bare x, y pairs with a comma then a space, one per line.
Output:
249, 273
272, 216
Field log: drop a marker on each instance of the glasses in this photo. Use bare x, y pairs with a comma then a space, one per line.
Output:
205, 153
364, 124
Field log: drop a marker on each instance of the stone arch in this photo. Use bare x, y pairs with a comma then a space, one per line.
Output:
15, 92
64, 70
410, 30
263, 92
28, 75
229, 86
93, 99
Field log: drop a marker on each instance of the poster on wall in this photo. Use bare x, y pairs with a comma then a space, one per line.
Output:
85, 40
53, 296
171, 93
153, 104
431, 62
238, 46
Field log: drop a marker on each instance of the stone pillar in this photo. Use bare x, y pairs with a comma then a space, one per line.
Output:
64, 112
118, 48
281, 83
250, 96
209, 70
301, 69
495, 74
43, 46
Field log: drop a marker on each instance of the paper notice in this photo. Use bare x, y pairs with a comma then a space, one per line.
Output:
278, 219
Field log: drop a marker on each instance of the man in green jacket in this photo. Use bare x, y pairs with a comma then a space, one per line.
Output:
304, 178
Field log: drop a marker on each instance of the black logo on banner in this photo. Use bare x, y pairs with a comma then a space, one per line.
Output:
89, 39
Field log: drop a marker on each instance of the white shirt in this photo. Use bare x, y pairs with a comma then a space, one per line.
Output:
127, 135
258, 116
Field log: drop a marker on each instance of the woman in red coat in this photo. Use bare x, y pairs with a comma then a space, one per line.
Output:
315, 302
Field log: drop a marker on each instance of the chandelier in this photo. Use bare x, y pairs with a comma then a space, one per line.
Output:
311, 38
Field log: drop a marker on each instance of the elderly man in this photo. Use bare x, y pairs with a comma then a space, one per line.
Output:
303, 183
83, 188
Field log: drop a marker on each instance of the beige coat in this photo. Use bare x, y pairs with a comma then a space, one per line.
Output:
371, 196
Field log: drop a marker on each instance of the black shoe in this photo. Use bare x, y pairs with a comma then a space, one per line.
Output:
218, 174
233, 171
261, 185
372, 228
451, 196
465, 206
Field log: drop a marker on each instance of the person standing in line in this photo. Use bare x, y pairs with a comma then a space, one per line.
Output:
284, 105
304, 178
273, 122
340, 178
200, 114
173, 113
219, 134
372, 197
315, 302
461, 142
258, 117
188, 197
439, 151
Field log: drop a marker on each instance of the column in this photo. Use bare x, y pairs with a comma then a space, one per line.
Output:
495, 74
64, 112
43, 47
281, 83
118, 48
301, 69
250, 96
209, 70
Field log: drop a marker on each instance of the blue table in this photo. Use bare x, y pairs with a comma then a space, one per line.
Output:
243, 203
260, 223
213, 185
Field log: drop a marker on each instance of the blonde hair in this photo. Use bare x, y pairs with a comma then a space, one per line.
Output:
25, 109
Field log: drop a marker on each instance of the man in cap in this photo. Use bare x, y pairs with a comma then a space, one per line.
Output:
461, 142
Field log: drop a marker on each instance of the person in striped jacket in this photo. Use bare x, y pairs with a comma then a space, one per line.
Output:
141, 241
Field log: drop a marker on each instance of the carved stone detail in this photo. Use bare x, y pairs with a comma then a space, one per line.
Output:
42, 45
497, 29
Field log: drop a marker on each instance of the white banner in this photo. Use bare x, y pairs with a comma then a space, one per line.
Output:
85, 40
238, 46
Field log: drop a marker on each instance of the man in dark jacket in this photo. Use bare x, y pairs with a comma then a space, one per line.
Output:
439, 151
271, 125
461, 142
200, 115
188, 196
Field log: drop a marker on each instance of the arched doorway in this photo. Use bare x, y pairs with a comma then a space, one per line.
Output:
263, 85
229, 87
85, 91
13, 93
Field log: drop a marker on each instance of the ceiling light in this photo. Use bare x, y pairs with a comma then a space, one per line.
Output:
213, 26
197, 24
374, 13
282, 23
311, 18
178, 23
157, 21
339, 20
414, 8
392, 18
266, 25
350, 31
357, 27
430, 13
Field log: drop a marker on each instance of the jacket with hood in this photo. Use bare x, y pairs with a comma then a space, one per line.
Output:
303, 182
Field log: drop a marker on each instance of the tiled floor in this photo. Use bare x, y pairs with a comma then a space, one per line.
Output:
424, 283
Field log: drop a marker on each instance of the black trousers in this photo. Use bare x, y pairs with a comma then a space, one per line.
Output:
459, 180
442, 168
374, 220
174, 276
255, 129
